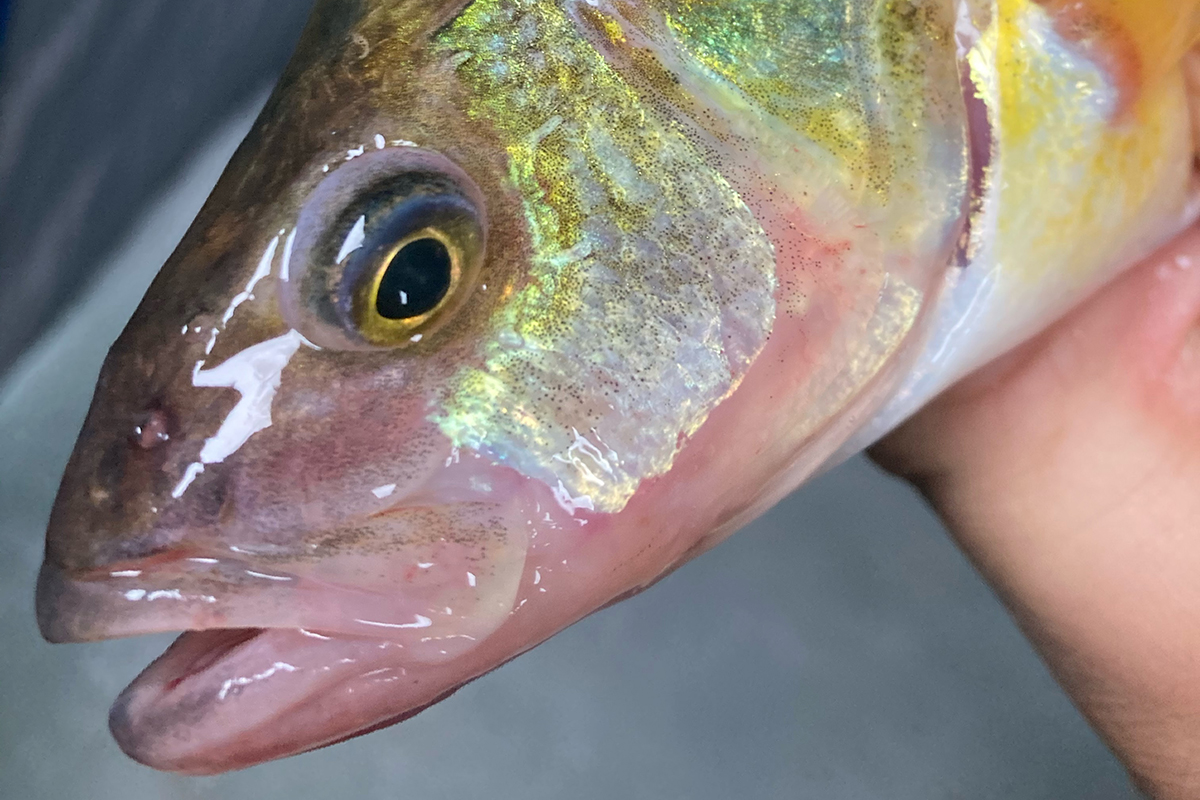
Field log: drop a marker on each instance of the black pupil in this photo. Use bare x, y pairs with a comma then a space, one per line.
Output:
416, 280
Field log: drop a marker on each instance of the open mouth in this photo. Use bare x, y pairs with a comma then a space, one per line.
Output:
228, 697
288, 650
275, 663
277, 658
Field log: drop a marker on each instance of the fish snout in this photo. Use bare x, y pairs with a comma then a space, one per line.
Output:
139, 542
110, 526
116, 499
115, 514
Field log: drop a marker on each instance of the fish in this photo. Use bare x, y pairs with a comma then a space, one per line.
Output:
506, 309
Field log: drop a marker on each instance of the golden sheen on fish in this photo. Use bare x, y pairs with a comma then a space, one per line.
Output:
507, 308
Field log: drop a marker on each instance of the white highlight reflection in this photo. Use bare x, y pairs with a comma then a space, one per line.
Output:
263, 270
422, 622
571, 504
254, 574
312, 635
278, 666
165, 594
285, 268
354, 239
255, 373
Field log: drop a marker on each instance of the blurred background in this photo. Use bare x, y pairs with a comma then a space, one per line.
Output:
838, 648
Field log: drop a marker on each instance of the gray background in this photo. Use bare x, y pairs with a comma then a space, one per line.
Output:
98, 100
839, 648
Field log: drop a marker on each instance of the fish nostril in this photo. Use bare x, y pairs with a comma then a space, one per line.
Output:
151, 430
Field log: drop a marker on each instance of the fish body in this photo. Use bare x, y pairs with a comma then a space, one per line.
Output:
507, 308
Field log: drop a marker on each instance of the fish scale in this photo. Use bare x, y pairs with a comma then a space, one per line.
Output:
625, 333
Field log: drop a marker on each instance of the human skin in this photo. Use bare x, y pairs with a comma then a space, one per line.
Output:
1069, 472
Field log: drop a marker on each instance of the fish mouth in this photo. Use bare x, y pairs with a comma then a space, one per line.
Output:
274, 661
227, 694
344, 627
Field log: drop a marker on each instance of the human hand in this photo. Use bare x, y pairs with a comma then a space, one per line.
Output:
1069, 472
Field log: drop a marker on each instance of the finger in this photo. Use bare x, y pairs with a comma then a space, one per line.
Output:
1070, 472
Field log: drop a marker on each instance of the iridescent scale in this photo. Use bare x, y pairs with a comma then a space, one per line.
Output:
633, 137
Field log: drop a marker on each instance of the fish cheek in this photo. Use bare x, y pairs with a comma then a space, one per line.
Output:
440, 579
345, 428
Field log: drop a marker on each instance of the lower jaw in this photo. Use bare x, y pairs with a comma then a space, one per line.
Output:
227, 699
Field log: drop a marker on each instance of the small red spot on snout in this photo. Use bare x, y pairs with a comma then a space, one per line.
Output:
152, 429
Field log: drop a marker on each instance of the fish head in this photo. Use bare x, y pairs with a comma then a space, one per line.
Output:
504, 310
204, 462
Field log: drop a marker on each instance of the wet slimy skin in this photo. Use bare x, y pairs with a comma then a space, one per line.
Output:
507, 308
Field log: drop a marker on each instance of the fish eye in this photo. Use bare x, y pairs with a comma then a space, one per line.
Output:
410, 266
386, 251
415, 280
